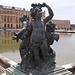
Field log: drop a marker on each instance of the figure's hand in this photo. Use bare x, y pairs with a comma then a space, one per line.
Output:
44, 5
15, 38
56, 37
15, 34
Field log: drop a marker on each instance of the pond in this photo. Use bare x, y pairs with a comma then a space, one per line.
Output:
64, 48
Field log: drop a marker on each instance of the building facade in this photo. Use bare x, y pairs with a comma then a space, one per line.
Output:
9, 17
62, 24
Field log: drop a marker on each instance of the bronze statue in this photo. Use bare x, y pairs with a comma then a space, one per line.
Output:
37, 36
23, 34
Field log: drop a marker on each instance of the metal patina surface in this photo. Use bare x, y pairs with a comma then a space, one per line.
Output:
37, 36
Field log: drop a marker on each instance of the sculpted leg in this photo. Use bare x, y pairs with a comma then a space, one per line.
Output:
36, 56
44, 49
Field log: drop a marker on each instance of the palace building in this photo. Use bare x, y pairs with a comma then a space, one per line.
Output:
9, 18
62, 24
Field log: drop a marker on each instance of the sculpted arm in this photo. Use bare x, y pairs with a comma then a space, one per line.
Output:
51, 14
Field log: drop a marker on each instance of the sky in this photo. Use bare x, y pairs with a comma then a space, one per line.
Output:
63, 9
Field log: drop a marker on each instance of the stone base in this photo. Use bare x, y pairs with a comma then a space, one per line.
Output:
13, 71
57, 71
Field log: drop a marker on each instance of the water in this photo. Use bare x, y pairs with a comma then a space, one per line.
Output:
8, 47
64, 48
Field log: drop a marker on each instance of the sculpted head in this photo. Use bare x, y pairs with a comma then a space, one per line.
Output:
24, 18
50, 26
36, 11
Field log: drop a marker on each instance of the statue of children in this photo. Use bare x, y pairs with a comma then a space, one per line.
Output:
38, 38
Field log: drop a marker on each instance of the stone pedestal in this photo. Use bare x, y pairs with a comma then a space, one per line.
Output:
13, 71
57, 71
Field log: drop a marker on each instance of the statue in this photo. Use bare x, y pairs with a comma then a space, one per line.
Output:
37, 36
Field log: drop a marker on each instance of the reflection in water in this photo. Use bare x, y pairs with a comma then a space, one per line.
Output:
6, 42
64, 48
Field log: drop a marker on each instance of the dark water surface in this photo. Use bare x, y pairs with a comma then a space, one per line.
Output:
64, 48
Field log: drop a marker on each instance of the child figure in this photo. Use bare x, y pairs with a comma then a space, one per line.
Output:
24, 31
